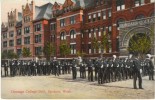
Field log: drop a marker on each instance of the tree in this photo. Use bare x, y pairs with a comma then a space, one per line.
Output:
64, 49
26, 52
11, 55
140, 44
102, 45
48, 50
4, 54
81, 54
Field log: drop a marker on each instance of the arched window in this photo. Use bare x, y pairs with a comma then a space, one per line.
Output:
72, 34
119, 21
140, 16
62, 36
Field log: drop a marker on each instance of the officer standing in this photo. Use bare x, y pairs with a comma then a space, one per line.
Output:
149, 66
136, 73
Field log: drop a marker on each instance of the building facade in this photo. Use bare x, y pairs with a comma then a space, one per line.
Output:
77, 22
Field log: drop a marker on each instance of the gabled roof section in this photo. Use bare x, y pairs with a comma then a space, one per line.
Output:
68, 3
19, 24
44, 11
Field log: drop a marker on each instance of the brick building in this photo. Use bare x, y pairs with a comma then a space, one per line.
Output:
78, 22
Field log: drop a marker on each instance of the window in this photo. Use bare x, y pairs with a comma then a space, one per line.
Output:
73, 48
104, 14
94, 17
104, 30
89, 18
53, 27
109, 13
11, 24
53, 38
94, 30
99, 50
72, 34
38, 38
152, 1
37, 50
120, 5
99, 16
19, 52
109, 29
140, 16
89, 33
26, 30
37, 27
26, 19
11, 34
82, 35
11, 43
62, 22
27, 40
99, 31
62, 36
72, 20
97, 2
119, 21
19, 32
139, 2
5, 44
19, 41
4, 35
89, 48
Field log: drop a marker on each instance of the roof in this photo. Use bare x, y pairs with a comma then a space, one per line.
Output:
44, 11
83, 3
19, 16
19, 24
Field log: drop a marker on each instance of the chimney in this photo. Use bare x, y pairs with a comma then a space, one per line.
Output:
33, 8
16, 14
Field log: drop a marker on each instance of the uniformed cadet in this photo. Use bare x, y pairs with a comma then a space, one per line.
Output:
90, 70
74, 69
136, 73
96, 68
56, 66
149, 66
6, 69
100, 72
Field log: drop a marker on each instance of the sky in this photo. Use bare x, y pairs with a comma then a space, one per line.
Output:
8, 5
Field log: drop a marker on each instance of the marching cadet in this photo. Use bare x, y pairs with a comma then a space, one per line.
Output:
100, 72
74, 69
29, 68
6, 69
149, 66
114, 65
56, 65
90, 70
118, 70
136, 72
96, 68
108, 74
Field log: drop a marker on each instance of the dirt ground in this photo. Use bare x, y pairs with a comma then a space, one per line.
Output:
63, 87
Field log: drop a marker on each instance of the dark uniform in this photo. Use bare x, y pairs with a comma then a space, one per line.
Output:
150, 67
6, 69
136, 73
74, 69
90, 70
